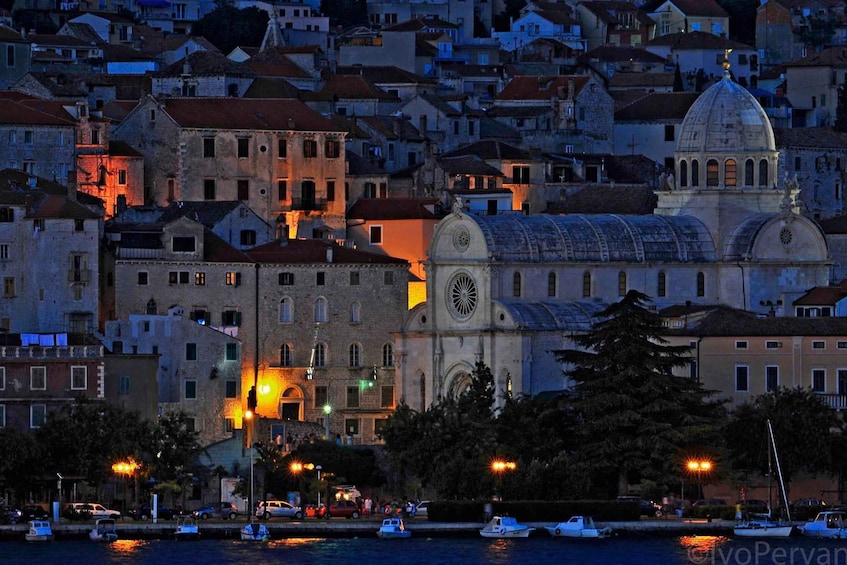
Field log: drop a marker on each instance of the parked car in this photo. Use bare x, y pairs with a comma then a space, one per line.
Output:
753, 505
808, 503
145, 512
342, 509
708, 502
33, 512
278, 509
225, 510
93, 510
422, 508
645, 507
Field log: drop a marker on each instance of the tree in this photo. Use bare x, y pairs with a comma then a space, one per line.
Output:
805, 429
227, 27
817, 33
636, 417
841, 109
677, 79
19, 457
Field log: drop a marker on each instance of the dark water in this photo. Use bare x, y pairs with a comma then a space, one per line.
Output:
536, 551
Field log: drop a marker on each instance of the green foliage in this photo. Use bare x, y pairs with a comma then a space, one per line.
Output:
636, 417
817, 33
841, 110
227, 27
19, 459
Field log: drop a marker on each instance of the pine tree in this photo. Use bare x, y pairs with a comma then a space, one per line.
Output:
841, 109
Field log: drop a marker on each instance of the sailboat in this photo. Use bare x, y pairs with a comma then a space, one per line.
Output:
764, 525
254, 531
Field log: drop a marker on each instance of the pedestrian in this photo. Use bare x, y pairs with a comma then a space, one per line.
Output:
337, 439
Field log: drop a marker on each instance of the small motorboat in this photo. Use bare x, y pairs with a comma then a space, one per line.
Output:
393, 528
104, 530
255, 532
578, 527
505, 527
187, 529
39, 530
762, 526
827, 524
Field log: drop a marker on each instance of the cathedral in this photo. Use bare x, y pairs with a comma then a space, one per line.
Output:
508, 289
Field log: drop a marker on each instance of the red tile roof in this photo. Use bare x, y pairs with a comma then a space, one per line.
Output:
540, 87
701, 8
12, 112
823, 295
315, 251
245, 114
394, 209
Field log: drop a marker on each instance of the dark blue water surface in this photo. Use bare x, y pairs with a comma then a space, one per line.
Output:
536, 551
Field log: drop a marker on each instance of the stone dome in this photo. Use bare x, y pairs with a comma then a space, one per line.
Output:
726, 118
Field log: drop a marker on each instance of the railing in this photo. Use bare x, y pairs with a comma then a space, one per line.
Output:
308, 203
140, 253
51, 352
834, 401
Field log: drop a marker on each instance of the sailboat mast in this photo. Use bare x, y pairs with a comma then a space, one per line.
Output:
779, 471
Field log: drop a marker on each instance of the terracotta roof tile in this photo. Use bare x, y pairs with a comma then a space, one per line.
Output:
703, 8
658, 106
245, 114
315, 251
539, 87
395, 209
823, 295
12, 112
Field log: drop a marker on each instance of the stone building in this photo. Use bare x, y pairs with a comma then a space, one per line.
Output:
509, 289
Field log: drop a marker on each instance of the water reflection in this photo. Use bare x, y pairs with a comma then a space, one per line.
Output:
128, 546
501, 550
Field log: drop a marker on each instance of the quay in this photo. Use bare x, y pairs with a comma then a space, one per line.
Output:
340, 527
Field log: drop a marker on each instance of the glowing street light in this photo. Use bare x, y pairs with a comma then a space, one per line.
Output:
699, 467
126, 469
499, 467
327, 412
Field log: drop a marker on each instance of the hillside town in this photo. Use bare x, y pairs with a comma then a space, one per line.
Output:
349, 211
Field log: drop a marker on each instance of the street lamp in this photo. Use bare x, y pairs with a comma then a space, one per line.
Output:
499, 467
248, 417
327, 412
125, 469
297, 468
699, 467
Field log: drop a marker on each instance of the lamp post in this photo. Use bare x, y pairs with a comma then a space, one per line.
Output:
327, 412
499, 467
699, 467
248, 419
126, 469
297, 468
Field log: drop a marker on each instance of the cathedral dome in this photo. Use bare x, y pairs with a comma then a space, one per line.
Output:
726, 119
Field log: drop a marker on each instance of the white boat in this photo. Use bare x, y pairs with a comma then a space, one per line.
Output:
827, 524
764, 525
505, 527
104, 530
578, 527
39, 530
393, 528
186, 529
255, 532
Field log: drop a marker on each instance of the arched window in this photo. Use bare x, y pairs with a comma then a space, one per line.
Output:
695, 172
712, 173
516, 285
152, 307
286, 310
285, 355
763, 172
388, 355
701, 284
748, 172
622, 284
730, 175
355, 359
551, 284
508, 386
320, 310
586, 284
320, 355
683, 173
661, 287
355, 313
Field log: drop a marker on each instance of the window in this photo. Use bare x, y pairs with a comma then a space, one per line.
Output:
669, 132
282, 190
516, 285
122, 177
352, 397
355, 356
10, 55
79, 378
243, 189
285, 355
248, 237
797, 163
209, 147
233, 278
199, 279
209, 189
388, 278
231, 352
741, 345
4, 251
310, 148
191, 352
818, 345
386, 399
355, 313
320, 278
354, 278
8, 287
622, 284
124, 384
701, 284
661, 286
729, 172
741, 378
321, 396
178, 277
183, 244
695, 172
243, 148
375, 235
231, 318
190, 389
712, 173
2, 378
2, 415
330, 191
282, 148
229, 425
320, 355
520, 175
37, 415
321, 310
771, 378
332, 148
748, 172
38, 378
351, 426
773, 344
586, 284
388, 355
230, 388
818, 380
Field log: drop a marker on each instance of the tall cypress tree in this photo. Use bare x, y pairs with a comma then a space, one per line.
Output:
841, 109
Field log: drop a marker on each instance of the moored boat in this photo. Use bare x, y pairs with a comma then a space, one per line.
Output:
186, 529
505, 527
578, 527
104, 530
255, 532
830, 524
39, 530
393, 528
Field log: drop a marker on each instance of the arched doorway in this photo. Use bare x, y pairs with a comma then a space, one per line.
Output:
291, 404
459, 384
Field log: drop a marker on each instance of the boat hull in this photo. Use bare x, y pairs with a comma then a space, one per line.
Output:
764, 531
255, 532
39, 537
829, 533
594, 533
523, 533
394, 535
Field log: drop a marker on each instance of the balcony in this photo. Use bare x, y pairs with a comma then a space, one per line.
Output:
317, 204
51, 352
834, 401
